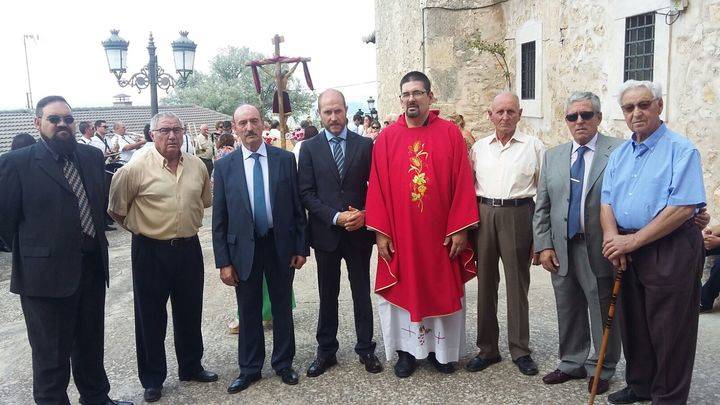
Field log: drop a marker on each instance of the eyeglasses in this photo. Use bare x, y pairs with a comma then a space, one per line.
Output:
175, 130
415, 94
585, 115
55, 119
643, 105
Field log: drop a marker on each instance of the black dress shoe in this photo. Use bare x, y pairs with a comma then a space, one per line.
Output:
603, 385
288, 376
405, 366
242, 382
704, 309
371, 362
109, 228
526, 365
443, 368
113, 402
320, 365
152, 394
479, 364
625, 396
201, 376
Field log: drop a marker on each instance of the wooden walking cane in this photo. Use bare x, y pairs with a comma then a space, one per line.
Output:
606, 334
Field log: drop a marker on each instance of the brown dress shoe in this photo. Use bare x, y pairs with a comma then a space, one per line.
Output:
559, 377
603, 385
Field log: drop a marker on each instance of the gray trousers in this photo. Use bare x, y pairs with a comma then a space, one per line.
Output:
578, 294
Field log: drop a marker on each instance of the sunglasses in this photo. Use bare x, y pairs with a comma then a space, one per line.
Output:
375, 127
643, 105
55, 119
585, 115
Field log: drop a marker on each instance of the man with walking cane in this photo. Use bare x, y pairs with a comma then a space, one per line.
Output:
653, 186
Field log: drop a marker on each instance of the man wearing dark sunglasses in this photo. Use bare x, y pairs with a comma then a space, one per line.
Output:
52, 212
652, 188
568, 238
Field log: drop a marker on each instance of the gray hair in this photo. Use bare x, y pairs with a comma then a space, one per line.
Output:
584, 96
654, 87
117, 124
156, 118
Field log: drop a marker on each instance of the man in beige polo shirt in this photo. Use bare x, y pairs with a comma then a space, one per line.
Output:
160, 197
507, 168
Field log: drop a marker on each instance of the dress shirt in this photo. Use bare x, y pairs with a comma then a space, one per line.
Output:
641, 179
122, 141
204, 147
588, 159
343, 135
507, 171
100, 143
188, 146
158, 203
84, 140
249, 167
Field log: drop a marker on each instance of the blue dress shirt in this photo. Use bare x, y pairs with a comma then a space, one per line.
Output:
641, 179
343, 135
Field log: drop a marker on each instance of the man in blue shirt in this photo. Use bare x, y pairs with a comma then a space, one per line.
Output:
653, 186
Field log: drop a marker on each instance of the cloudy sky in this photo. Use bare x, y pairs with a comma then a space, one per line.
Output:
68, 58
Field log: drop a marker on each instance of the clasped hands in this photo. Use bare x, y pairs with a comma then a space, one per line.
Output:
228, 275
352, 219
456, 241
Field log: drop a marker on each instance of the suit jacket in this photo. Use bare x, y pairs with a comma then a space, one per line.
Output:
324, 192
233, 228
553, 200
39, 213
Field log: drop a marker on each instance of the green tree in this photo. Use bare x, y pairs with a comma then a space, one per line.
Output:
229, 84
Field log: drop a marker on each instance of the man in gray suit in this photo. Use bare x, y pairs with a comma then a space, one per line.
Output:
569, 239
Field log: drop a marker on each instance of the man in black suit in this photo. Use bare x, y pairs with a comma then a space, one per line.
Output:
51, 208
259, 228
333, 172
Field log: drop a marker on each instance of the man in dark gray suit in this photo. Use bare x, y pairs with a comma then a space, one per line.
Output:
569, 239
259, 229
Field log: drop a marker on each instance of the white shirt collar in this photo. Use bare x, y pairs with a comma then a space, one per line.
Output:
262, 150
517, 137
590, 145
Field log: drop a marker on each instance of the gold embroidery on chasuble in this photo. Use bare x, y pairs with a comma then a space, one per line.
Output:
419, 180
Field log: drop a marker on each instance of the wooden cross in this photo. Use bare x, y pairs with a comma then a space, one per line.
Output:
281, 78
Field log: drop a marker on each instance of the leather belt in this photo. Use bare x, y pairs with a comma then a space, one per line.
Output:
175, 242
505, 202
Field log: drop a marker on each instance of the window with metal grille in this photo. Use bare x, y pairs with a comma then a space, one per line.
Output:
527, 71
639, 47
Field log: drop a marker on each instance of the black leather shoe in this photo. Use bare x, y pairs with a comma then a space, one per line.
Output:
110, 228
288, 376
526, 365
405, 366
625, 396
152, 394
371, 362
113, 402
479, 364
443, 368
201, 376
242, 382
320, 365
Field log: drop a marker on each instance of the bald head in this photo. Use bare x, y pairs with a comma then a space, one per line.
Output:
332, 110
505, 113
248, 126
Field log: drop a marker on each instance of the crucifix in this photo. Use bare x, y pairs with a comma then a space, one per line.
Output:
281, 79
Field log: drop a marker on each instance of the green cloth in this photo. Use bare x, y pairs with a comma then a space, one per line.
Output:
267, 308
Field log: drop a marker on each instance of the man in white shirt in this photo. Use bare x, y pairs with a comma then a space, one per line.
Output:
100, 139
188, 142
124, 143
86, 129
507, 168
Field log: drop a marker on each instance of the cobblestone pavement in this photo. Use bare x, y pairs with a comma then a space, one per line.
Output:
348, 382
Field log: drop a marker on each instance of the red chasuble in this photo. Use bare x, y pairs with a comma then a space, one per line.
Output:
421, 190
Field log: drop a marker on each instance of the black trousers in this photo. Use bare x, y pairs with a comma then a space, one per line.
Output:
162, 270
711, 288
108, 180
659, 315
251, 339
357, 260
208, 165
69, 330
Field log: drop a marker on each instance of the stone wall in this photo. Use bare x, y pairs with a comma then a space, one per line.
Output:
581, 47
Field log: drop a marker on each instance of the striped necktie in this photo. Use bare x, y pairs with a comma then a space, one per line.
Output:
338, 154
73, 179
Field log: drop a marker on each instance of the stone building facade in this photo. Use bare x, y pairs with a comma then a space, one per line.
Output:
578, 45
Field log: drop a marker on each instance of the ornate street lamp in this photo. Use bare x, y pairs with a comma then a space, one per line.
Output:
151, 75
371, 107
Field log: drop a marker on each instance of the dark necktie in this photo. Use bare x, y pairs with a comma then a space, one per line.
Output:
577, 175
73, 178
338, 154
260, 213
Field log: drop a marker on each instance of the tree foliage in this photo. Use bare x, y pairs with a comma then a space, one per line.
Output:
230, 83
496, 49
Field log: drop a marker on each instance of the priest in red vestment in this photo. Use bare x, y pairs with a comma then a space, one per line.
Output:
420, 203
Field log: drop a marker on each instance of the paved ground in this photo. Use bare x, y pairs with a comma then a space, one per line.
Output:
348, 382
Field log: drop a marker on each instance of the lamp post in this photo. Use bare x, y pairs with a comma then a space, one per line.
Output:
371, 107
151, 75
